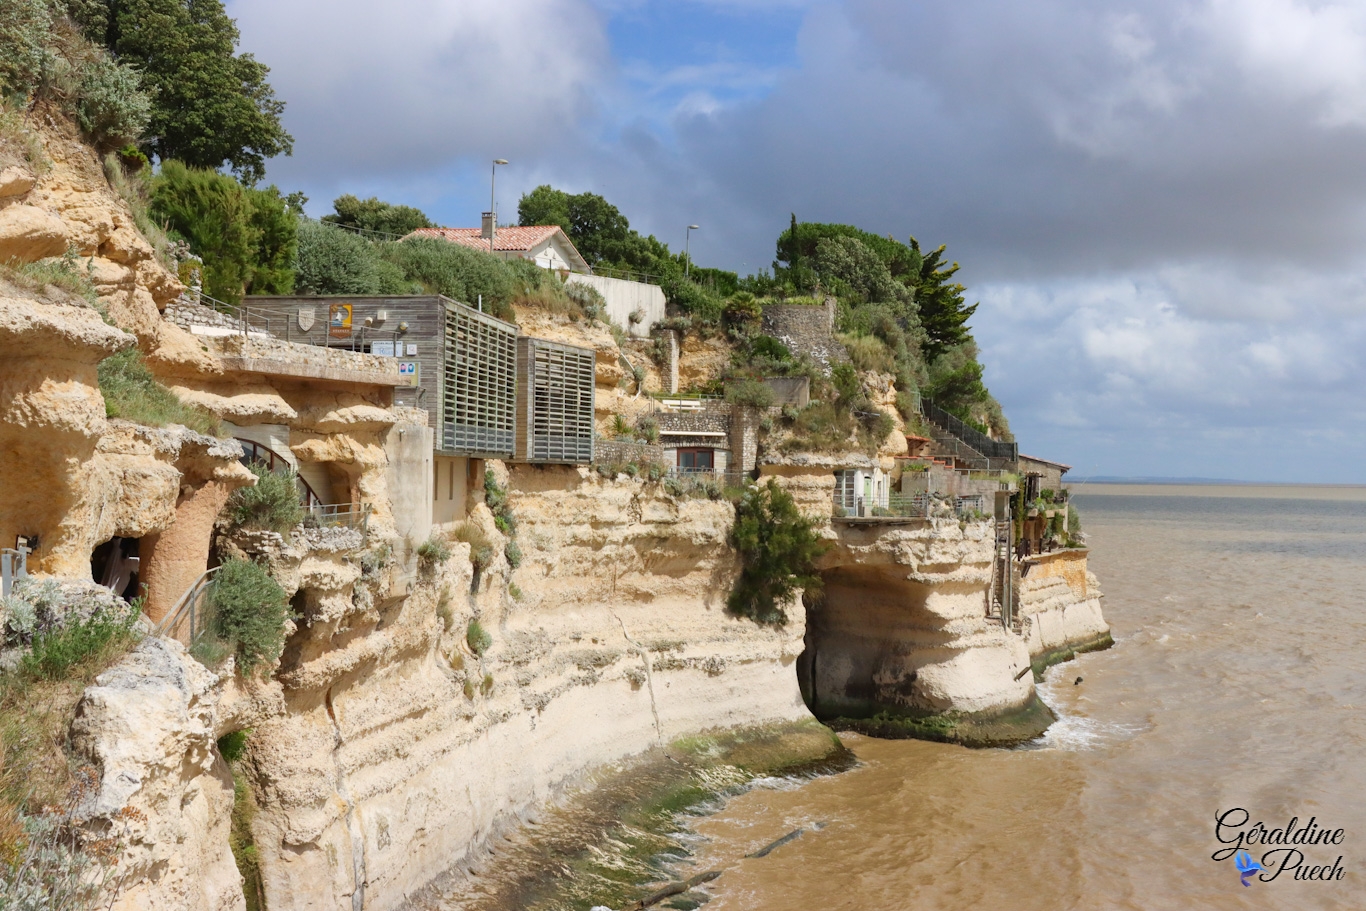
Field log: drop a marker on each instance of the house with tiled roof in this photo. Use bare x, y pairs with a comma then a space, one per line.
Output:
634, 305
546, 245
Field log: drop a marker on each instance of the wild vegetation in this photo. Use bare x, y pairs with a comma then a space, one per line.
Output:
272, 503
778, 548
61, 647
249, 611
477, 638
374, 217
248, 238
132, 393
233, 748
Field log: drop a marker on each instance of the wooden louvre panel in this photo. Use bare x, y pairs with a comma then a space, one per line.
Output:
479, 395
555, 402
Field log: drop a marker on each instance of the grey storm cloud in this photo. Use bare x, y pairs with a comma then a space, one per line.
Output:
408, 86
1064, 135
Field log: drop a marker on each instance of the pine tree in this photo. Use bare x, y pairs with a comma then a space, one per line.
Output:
939, 300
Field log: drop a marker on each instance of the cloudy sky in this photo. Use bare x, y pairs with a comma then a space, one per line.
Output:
1160, 206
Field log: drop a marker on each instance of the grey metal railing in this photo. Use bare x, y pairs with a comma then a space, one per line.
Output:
248, 321
191, 615
905, 506
983, 444
339, 515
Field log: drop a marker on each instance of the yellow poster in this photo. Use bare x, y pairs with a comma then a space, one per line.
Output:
339, 320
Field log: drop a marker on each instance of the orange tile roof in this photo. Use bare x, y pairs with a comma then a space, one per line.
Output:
513, 240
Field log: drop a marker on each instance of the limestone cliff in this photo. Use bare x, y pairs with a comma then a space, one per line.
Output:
383, 750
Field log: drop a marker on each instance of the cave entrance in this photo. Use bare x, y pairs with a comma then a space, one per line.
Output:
116, 564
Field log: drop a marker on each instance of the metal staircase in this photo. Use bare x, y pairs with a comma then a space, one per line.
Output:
972, 448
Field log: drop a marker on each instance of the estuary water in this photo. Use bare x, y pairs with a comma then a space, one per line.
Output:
1238, 680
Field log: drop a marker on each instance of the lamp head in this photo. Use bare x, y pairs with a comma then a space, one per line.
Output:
500, 161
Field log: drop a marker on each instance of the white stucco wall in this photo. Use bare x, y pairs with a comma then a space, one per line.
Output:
624, 297
550, 255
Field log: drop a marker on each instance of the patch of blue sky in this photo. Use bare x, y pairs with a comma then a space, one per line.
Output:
694, 57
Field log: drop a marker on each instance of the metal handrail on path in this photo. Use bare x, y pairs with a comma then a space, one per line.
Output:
340, 515
187, 608
905, 506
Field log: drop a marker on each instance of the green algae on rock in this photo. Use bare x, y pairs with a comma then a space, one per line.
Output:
619, 838
975, 729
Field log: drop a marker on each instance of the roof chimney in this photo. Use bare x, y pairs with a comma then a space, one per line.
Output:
486, 230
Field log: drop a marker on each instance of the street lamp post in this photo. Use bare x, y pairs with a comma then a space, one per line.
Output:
687, 246
493, 206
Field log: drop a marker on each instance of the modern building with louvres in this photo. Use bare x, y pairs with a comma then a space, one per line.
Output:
489, 393
555, 387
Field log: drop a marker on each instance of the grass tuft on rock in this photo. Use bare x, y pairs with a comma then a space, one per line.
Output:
132, 393
433, 552
478, 638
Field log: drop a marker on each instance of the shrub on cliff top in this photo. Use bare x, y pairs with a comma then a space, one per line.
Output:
131, 392
778, 547
272, 503
249, 613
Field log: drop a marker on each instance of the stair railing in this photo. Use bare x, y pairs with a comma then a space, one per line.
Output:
187, 608
984, 445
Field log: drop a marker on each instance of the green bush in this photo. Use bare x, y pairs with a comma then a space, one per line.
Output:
513, 552
247, 238
692, 300
749, 392
249, 613
110, 106
25, 32
769, 348
132, 393
433, 552
233, 746
466, 275
55, 653
271, 503
868, 352
375, 216
477, 638
335, 261
589, 299
778, 548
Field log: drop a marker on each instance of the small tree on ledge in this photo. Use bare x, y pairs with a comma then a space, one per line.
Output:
779, 548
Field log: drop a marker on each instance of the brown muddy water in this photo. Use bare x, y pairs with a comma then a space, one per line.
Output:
1238, 680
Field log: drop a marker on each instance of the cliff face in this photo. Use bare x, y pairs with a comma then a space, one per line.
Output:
900, 628
384, 750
